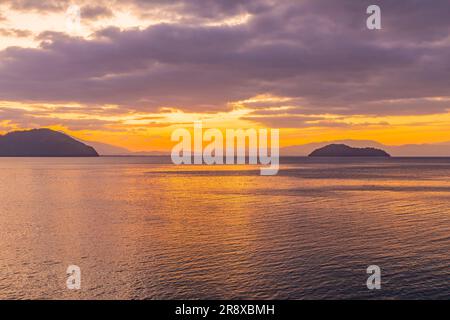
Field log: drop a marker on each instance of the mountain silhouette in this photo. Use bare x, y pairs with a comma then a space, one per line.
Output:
342, 150
105, 149
439, 149
43, 143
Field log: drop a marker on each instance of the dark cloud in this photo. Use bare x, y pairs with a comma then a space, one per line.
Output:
200, 10
39, 5
318, 53
93, 12
191, 10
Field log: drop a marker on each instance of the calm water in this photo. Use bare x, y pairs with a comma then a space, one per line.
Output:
142, 228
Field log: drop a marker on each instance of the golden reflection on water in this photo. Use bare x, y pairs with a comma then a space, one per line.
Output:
151, 230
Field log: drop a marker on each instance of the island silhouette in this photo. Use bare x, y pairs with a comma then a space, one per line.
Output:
342, 150
43, 143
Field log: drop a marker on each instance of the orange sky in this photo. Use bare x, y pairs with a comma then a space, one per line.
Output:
135, 132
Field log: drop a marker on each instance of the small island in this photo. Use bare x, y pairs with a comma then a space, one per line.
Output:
342, 150
43, 143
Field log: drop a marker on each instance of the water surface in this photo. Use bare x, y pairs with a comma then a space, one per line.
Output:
141, 228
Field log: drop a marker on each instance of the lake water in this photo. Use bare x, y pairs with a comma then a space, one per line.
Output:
141, 228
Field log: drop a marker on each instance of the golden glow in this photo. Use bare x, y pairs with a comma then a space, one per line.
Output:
37, 22
151, 131
233, 21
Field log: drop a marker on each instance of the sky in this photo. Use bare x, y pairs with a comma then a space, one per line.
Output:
136, 70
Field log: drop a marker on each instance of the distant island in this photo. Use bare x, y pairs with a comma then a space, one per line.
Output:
342, 150
43, 143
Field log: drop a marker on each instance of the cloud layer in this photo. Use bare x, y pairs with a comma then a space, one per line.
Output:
317, 56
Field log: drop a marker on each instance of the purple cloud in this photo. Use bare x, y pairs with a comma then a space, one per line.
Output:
318, 53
